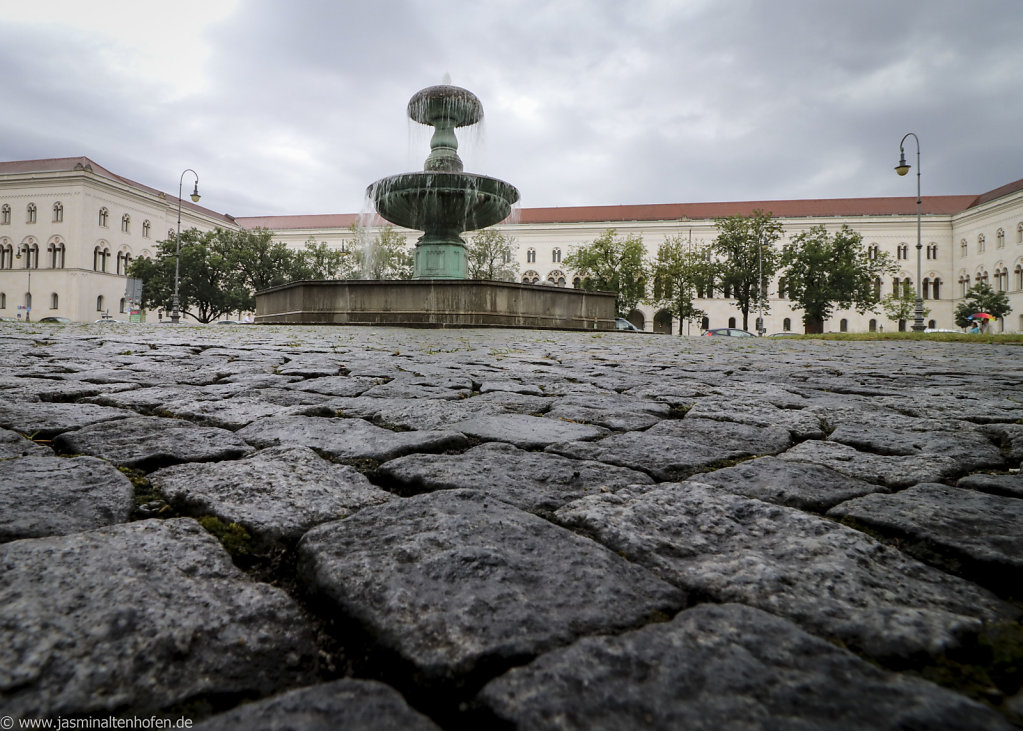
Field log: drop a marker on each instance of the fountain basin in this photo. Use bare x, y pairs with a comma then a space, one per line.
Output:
436, 303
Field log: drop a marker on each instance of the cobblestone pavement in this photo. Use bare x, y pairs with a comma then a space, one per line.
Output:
253, 525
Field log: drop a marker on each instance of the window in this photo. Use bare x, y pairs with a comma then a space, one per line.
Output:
964, 285
54, 300
925, 287
30, 213
3, 300
577, 283
530, 277
99, 259
872, 325
843, 325
99, 303
6, 255
56, 251
104, 216
58, 212
123, 305
530, 256
1000, 238
146, 226
556, 256
786, 324
877, 287
873, 251
936, 288
1019, 234
123, 260
781, 290
731, 322
902, 252
980, 244
5, 214
963, 249
126, 224
1019, 276
932, 251
557, 278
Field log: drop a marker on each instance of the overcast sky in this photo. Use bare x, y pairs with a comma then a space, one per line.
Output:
295, 106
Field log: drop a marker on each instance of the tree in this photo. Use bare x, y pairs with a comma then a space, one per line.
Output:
211, 281
825, 271
902, 306
981, 298
490, 255
255, 261
679, 269
320, 261
612, 264
747, 258
385, 257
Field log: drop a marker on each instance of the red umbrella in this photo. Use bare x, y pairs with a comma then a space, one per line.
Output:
981, 316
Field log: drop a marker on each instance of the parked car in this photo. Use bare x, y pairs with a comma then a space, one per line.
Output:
112, 321
783, 334
731, 332
941, 330
622, 324
55, 318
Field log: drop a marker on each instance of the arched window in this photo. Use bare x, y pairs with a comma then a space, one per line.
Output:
3, 300
781, 289
124, 303
963, 248
872, 325
731, 322
786, 324
557, 278
902, 251
925, 287
30, 213
1000, 238
1019, 234
58, 212
56, 252
6, 254
99, 259
932, 251
877, 287
99, 303
843, 325
556, 256
104, 217
146, 225
705, 323
530, 277
5, 214
54, 301
873, 251
980, 244
530, 256
964, 285
576, 282
1019, 276
126, 223
936, 288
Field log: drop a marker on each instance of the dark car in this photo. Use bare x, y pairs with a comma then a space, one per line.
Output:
730, 332
622, 324
54, 318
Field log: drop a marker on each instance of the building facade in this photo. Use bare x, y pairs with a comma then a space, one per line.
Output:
77, 226
69, 228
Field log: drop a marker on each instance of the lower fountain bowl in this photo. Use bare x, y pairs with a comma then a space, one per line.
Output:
443, 202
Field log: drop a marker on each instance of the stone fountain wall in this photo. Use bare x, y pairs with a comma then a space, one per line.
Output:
436, 303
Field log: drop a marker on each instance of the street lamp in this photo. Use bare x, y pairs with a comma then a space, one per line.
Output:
175, 314
28, 265
902, 168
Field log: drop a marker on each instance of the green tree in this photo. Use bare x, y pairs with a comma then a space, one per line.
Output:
318, 260
680, 268
208, 286
386, 256
612, 264
901, 307
254, 261
981, 298
747, 258
491, 255
825, 271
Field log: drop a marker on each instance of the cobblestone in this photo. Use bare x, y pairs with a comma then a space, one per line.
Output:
537, 529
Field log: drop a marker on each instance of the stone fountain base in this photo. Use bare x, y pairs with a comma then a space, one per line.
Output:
439, 303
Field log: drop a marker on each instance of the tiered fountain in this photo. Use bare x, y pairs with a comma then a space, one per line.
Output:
442, 201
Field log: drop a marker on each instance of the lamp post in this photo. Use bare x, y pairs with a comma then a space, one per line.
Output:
24, 248
175, 314
902, 168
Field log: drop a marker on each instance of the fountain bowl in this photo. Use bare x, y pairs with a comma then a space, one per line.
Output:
442, 202
445, 103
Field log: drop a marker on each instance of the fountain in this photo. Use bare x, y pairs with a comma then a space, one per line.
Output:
442, 201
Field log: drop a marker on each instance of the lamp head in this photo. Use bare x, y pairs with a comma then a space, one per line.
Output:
903, 167
195, 191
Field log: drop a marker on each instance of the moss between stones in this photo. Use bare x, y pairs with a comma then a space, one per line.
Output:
233, 537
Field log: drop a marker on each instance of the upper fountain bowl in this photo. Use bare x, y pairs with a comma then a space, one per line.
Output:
445, 103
